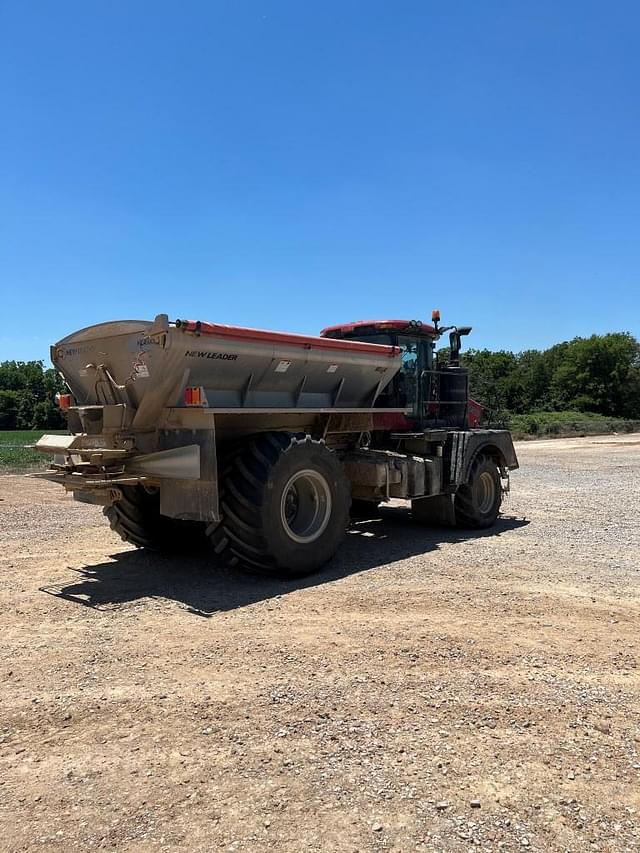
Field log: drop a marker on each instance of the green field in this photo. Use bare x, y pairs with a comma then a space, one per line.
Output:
15, 455
556, 424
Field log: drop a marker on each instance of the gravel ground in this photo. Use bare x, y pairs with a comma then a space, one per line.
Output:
430, 690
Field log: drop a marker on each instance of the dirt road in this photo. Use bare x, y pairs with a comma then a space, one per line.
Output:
430, 690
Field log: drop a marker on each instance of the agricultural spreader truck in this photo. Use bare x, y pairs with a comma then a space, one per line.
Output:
265, 443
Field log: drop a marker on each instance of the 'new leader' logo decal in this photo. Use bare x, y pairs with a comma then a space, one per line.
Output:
224, 356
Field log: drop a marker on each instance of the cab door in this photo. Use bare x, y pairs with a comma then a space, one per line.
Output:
429, 382
408, 381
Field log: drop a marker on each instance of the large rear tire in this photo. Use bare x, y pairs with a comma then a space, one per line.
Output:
477, 502
284, 504
136, 519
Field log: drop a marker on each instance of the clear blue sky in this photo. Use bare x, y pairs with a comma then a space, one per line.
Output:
290, 164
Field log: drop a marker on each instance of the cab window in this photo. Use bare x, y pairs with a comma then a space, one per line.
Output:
408, 374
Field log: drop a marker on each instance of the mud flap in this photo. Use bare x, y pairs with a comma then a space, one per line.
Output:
437, 511
187, 499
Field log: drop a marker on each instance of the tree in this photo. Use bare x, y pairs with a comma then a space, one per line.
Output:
27, 396
9, 401
598, 374
490, 381
595, 373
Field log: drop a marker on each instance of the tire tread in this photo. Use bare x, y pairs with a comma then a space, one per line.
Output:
467, 515
239, 539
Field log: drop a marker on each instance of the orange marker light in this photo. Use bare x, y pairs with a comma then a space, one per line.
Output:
195, 396
65, 401
435, 315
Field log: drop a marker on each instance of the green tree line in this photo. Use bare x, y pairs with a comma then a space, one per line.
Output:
599, 374
27, 396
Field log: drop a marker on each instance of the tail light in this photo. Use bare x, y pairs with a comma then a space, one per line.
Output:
195, 396
64, 401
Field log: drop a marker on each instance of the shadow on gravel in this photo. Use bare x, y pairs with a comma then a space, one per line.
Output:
204, 588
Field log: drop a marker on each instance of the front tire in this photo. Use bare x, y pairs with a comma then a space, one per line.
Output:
284, 504
477, 502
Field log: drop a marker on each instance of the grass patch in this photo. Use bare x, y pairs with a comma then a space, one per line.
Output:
15, 455
557, 424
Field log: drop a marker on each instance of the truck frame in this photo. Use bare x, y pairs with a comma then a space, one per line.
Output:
265, 444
